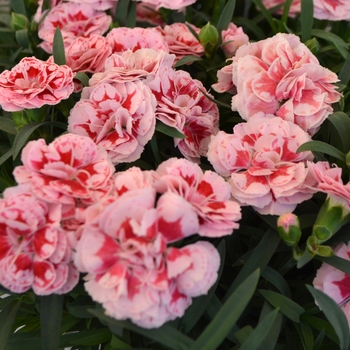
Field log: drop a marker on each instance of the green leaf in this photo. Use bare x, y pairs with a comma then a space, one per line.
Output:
8, 125
187, 59
226, 16
168, 130
306, 19
341, 123
335, 316
260, 332
337, 262
259, 258
322, 147
59, 55
119, 344
83, 78
199, 304
228, 315
277, 280
121, 12
6, 156
131, 17
286, 9
7, 318
287, 306
50, 321
337, 41
91, 337
344, 74
18, 6
321, 324
22, 38
267, 15
166, 335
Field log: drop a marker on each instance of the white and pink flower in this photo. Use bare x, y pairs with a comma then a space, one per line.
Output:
261, 164
232, 38
33, 83
119, 117
74, 20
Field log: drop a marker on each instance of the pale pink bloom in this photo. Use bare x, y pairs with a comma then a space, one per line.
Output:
34, 249
336, 283
332, 10
88, 54
169, 4
207, 196
232, 38
120, 118
262, 165
74, 20
328, 180
39, 11
147, 13
181, 41
96, 4
183, 106
69, 168
131, 272
126, 66
33, 83
294, 9
123, 38
225, 83
281, 76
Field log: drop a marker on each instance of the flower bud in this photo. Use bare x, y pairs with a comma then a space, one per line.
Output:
209, 37
289, 229
315, 249
313, 45
18, 21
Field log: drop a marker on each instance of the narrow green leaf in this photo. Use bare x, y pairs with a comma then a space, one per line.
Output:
18, 6
59, 55
260, 332
119, 344
228, 315
91, 337
131, 17
50, 321
6, 156
322, 147
267, 15
22, 38
23, 341
187, 59
341, 123
121, 12
335, 316
259, 258
277, 280
319, 339
306, 19
307, 336
337, 262
8, 125
199, 304
287, 306
321, 324
226, 16
83, 78
286, 9
7, 318
344, 74
168, 130
166, 335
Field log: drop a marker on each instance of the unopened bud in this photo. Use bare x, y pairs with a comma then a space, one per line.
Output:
209, 37
315, 249
18, 21
289, 229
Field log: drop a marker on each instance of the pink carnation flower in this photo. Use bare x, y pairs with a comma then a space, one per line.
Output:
232, 38
168, 4
262, 165
181, 41
183, 106
294, 9
71, 167
332, 10
34, 250
120, 118
147, 13
74, 20
101, 5
281, 76
336, 283
130, 269
123, 38
33, 83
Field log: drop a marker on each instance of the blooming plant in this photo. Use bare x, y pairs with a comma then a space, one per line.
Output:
174, 174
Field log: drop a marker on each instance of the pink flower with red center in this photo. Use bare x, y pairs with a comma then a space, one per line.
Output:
205, 197
123, 39
262, 165
34, 249
332, 10
281, 76
33, 83
130, 269
119, 117
181, 41
336, 283
182, 105
232, 38
71, 167
74, 20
